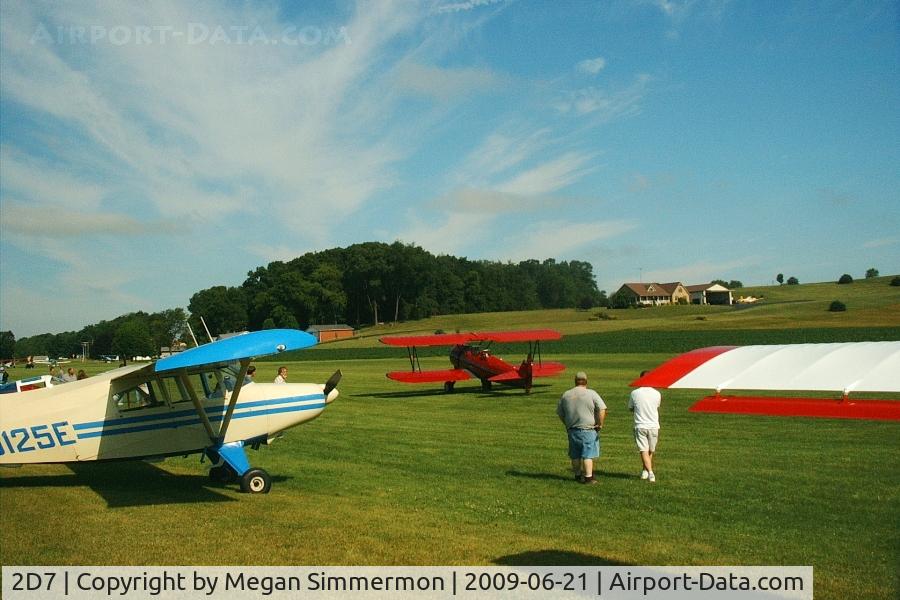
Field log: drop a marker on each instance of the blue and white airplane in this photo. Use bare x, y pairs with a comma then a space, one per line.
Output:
196, 401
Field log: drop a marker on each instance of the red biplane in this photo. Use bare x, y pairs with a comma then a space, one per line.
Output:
471, 356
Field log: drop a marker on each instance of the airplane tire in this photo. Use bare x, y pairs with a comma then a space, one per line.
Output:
486, 385
448, 386
222, 474
256, 481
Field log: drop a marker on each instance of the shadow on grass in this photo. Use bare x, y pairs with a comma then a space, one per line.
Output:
438, 392
555, 558
131, 483
568, 478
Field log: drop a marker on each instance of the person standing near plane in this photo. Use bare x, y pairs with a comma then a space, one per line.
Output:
644, 403
582, 411
282, 375
251, 373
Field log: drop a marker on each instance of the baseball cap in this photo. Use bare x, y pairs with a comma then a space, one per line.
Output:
581, 375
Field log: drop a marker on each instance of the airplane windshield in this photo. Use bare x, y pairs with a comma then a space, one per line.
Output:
210, 384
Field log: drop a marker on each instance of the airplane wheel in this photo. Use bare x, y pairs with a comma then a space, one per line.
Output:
448, 386
256, 481
222, 474
485, 385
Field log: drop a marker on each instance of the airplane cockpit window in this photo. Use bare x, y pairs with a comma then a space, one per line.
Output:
139, 397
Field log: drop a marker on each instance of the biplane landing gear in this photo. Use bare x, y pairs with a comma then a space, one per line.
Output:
486, 385
448, 387
256, 481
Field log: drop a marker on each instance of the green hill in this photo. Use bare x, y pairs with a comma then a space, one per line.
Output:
788, 313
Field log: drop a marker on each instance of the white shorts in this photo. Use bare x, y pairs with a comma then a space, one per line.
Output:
646, 439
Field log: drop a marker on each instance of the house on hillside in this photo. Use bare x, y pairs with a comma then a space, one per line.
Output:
654, 294
710, 293
330, 333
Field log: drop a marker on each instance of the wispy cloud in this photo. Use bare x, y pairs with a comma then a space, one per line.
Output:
549, 176
701, 271
445, 83
882, 242
602, 104
25, 220
592, 66
560, 238
452, 7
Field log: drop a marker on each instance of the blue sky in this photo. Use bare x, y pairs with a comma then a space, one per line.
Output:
150, 150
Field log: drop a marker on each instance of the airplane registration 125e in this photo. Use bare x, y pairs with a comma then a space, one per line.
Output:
197, 401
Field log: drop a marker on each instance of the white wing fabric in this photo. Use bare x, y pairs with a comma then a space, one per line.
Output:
842, 367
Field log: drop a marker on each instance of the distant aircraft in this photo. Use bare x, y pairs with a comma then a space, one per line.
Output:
471, 357
840, 368
194, 402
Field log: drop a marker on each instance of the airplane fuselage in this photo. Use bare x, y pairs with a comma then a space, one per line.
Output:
133, 413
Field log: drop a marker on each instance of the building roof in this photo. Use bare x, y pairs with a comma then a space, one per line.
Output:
707, 287
335, 327
670, 287
648, 289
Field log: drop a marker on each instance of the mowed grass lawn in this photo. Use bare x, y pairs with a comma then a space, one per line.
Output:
400, 475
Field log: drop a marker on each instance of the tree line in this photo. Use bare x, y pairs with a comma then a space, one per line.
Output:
360, 285
374, 282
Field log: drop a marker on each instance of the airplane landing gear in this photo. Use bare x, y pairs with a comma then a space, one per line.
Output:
256, 481
222, 474
448, 387
486, 385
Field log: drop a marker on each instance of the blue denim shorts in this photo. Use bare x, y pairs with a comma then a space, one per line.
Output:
583, 443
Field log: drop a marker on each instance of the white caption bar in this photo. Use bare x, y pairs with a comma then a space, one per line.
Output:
420, 583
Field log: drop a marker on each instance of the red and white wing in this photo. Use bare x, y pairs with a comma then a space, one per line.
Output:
845, 367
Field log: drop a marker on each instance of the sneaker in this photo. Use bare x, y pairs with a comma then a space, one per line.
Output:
651, 477
645, 473
590, 480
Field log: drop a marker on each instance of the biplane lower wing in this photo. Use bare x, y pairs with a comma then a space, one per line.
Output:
547, 369
429, 376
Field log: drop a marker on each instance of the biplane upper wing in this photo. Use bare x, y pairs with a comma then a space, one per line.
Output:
528, 335
452, 339
246, 346
438, 339
845, 367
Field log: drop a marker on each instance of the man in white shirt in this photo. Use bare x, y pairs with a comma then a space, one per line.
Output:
644, 403
282, 375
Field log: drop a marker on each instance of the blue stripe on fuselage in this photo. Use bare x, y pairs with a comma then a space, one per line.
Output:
176, 419
195, 421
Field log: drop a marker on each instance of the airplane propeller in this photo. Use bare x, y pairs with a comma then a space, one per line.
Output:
332, 382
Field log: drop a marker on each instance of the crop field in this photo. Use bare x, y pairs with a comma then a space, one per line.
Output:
400, 475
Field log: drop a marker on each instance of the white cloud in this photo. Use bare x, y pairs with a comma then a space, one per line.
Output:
562, 238
701, 271
445, 83
604, 105
458, 233
54, 222
592, 66
549, 176
465, 6
882, 242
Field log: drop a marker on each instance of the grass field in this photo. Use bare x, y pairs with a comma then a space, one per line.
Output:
406, 475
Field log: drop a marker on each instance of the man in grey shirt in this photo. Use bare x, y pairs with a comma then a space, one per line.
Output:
582, 411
